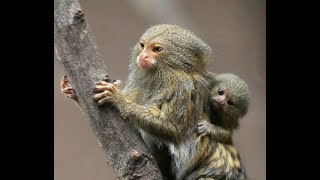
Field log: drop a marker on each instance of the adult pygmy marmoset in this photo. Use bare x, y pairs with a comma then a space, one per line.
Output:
166, 92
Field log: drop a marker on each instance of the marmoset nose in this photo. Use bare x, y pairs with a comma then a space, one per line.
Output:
144, 55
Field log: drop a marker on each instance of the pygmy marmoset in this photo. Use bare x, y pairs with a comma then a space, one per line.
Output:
229, 102
166, 91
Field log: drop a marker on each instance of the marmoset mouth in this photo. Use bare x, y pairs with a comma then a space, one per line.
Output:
218, 105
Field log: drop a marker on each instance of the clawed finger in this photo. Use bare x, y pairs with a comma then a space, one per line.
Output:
68, 90
204, 134
200, 124
103, 101
64, 82
102, 95
65, 78
72, 96
100, 88
117, 84
201, 130
103, 87
70, 93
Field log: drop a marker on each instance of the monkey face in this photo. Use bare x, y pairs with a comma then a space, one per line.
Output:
222, 99
230, 96
147, 59
170, 47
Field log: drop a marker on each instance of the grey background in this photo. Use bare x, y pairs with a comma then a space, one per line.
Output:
234, 29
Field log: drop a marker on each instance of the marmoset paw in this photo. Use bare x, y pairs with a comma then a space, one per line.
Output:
67, 89
203, 128
104, 92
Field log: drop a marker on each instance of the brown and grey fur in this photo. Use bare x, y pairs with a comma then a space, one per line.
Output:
167, 102
220, 158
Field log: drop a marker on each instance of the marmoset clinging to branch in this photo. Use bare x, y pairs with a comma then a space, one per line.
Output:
166, 91
166, 96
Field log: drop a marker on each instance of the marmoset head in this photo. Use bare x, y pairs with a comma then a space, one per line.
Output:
230, 98
170, 47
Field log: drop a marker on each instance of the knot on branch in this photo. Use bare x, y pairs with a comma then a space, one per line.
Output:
135, 165
79, 17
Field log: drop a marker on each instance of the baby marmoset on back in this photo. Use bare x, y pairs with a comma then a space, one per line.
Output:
219, 158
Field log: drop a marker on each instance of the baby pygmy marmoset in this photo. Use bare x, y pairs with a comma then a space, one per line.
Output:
229, 102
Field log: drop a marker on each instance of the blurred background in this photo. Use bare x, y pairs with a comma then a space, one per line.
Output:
236, 30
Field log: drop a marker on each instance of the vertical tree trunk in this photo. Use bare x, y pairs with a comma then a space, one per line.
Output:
78, 54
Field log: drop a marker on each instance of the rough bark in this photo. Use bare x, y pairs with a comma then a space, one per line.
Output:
78, 54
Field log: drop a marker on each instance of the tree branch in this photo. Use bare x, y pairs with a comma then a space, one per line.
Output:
77, 52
